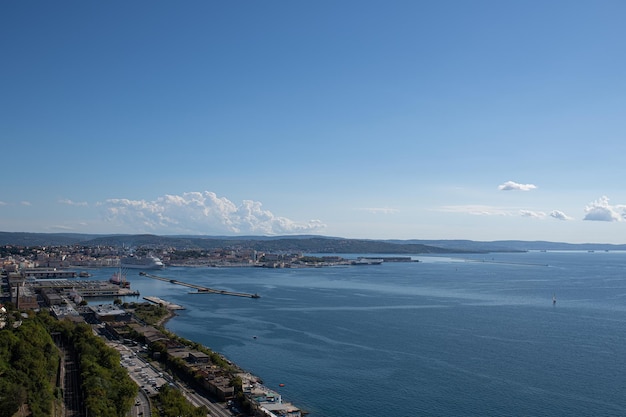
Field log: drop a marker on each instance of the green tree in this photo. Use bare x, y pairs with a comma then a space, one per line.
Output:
28, 367
174, 404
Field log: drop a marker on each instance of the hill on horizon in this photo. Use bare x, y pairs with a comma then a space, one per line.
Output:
302, 243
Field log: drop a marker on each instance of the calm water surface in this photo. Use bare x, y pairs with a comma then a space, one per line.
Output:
475, 336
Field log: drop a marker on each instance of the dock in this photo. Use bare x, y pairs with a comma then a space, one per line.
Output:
166, 304
84, 288
199, 288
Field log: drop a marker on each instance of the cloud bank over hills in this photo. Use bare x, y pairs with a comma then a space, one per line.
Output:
202, 213
206, 213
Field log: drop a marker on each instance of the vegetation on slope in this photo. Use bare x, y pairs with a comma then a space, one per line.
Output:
107, 388
151, 314
29, 362
172, 403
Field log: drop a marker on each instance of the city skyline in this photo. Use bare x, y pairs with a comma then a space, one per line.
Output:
477, 120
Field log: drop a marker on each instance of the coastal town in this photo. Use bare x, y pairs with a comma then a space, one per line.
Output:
51, 279
76, 257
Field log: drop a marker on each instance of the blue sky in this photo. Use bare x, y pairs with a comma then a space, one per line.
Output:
481, 120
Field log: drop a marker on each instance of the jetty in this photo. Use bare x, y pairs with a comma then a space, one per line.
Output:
166, 304
199, 288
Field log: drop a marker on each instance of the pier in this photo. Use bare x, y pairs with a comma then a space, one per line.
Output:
199, 288
166, 304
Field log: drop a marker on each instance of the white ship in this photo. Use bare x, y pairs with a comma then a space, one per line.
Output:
367, 261
139, 262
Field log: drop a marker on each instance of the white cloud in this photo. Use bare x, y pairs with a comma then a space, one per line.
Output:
201, 213
601, 210
60, 227
479, 210
2, 203
510, 185
380, 210
73, 203
25, 203
533, 214
559, 215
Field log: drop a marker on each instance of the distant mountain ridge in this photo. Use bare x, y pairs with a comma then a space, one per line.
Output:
302, 243
514, 245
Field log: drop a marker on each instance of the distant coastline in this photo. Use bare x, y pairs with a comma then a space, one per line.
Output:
305, 244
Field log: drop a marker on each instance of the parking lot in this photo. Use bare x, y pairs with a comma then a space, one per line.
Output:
147, 378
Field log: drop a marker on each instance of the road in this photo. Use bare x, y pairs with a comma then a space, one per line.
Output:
143, 373
215, 409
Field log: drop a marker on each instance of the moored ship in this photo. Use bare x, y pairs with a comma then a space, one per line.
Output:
139, 262
119, 278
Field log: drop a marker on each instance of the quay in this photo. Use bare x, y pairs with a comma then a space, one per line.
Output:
200, 289
84, 288
166, 304
51, 273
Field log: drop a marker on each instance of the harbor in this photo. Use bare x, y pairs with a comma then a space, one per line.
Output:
199, 288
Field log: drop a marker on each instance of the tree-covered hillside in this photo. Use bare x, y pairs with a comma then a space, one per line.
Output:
29, 364
29, 361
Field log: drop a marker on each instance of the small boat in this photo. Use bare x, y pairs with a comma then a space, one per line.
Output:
553, 299
281, 385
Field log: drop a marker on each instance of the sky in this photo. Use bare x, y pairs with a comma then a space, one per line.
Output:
454, 119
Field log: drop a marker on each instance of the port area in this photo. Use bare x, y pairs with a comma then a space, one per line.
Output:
199, 288
84, 288
166, 304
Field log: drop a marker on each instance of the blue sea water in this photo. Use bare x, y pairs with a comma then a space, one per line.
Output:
469, 336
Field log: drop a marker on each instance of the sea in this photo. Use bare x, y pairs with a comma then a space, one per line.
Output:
499, 334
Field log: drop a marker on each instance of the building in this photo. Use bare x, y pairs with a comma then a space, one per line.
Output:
266, 401
198, 357
53, 273
51, 297
24, 297
109, 313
